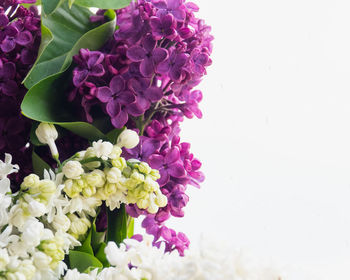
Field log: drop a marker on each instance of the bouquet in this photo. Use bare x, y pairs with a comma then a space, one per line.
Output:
91, 106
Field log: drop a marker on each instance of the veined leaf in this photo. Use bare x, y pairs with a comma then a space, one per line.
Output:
49, 6
66, 31
104, 4
39, 165
83, 261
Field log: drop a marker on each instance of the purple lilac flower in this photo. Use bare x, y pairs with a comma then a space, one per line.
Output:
148, 55
155, 59
19, 44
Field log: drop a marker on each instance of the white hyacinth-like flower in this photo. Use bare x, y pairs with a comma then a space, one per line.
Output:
128, 139
47, 134
72, 169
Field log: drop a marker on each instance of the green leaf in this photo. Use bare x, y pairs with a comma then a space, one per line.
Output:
38, 2
117, 225
101, 256
104, 4
39, 165
49, 6
83, 261
65, 32
131, 224
86, 246
96, 238
113, 135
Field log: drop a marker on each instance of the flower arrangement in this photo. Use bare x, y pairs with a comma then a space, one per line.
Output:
91, 108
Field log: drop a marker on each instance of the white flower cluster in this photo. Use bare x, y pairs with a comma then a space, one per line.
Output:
135, 260
31, 248
101, 174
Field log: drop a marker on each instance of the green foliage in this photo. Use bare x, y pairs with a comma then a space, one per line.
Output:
103, 4
117, 225
46, 100
83, 261
39, 165
113, 135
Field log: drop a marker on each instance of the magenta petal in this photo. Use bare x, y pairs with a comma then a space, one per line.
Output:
3, 20
149, 43
120, 120
154, 94
135, 110
126, 97
8, 44
9, 70
104, 94
79, 77
163, 67
160, 4
156, 161
24, 38
136, 53
9, 88
155, 23
159, 55
147, 67
117, 84
164, 177
172, 156
97, 71
177, 170
113, 108
167, 21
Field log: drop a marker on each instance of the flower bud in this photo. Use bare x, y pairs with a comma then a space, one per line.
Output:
41, 260
61, 222
161, 200
102, 149
113, 175
79, 226
89, 191
30, 181
47, 134
128, 139
36, 209
72, 169
4, 259
96, 178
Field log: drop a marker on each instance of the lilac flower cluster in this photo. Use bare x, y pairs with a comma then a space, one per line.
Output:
19, 44
144, 78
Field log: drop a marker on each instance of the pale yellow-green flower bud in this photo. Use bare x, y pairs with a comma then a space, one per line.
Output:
161, 200
61, 222
138, 177
144, 168
47, 188
128, 139
47, 134
113, 175
110, 189
119, 163
89, 191
27, 269
79, 226
154, 174
96, 178
127, 172
53, 248
72, 188
142, 203
116, 152
72, 169
90, 153
30, 181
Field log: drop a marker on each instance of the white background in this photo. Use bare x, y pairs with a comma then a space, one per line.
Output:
275, 136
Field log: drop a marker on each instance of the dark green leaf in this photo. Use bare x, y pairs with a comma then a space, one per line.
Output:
117, 225
83, 261
104, 4
96, 238
49, 6
113, 135
39, 165
38, 2
86, 246
65, 32
101, 256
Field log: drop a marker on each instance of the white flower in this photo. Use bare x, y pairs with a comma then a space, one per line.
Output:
61, 222
17, 216
72, 169
5, 202
102, 149
32, 233
74, 274
35, 208
41, 260
113, 175
4, 259
7, 168
128, 139
5, 186
47, 134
